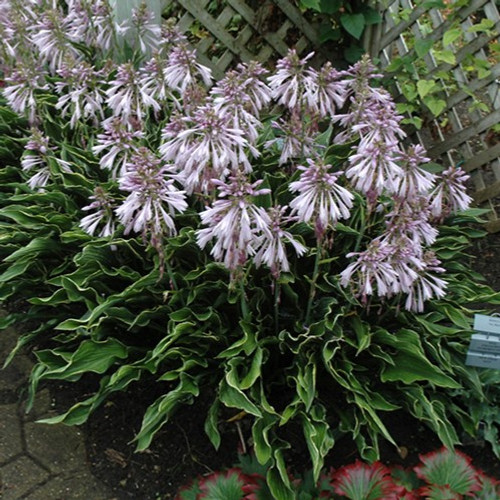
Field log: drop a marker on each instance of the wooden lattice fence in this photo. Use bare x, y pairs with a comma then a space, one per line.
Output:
462, 133
244, 30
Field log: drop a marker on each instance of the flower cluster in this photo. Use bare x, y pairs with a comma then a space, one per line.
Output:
41, 159
216, 142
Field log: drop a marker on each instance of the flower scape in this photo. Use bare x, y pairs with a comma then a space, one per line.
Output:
271, 240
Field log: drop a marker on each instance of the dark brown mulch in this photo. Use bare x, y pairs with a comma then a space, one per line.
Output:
181, 449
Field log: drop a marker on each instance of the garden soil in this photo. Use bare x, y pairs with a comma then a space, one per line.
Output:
182, 451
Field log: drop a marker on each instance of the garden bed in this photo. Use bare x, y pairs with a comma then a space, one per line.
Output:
182, 450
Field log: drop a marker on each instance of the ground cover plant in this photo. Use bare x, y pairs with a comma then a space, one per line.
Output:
268, 241
441, 475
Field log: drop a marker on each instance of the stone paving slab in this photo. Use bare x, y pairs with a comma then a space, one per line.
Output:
20, 476
75, 486
11, 441
66, 451
38, 461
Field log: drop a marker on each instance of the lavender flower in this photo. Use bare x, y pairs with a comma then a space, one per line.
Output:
103, 204
51, 35
37, 157
373, 118
153, 198
234, 221
104, 28
241, 94
450, 195
414, 180
208, 149
409, 219
272, 251
292, 83
21, 87
295, 139
152, 84
80, 92
124, 95
325, 92
426, 286
91, 22
373, 169
121, 143
243, 87
321, 199
16, 18
145, 29
171, 37
79, 19
182, 70
372, 268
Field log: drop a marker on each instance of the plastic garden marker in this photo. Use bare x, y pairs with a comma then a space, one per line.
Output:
484, 349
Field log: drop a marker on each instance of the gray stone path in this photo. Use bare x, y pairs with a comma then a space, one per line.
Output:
37, 461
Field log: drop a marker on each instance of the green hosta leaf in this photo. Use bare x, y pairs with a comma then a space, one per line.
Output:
448, 468
247, 343
363, 333
240, 364
277, 476
255, 370
456, 316
211, 424
427, 408
410, 361
24, 216
411, 368
80, 412
354, 24
306, 382
233, 397
160, 411
14, 271
318, 437
91, 356
260, 433
76, 415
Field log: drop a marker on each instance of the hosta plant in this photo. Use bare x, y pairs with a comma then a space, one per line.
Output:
441, 475
267, 241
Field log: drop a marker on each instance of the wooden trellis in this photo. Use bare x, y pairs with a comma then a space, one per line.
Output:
244, 30
462, 133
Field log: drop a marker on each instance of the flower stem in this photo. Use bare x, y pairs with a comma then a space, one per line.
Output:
243, 300
312, 291
277, 292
